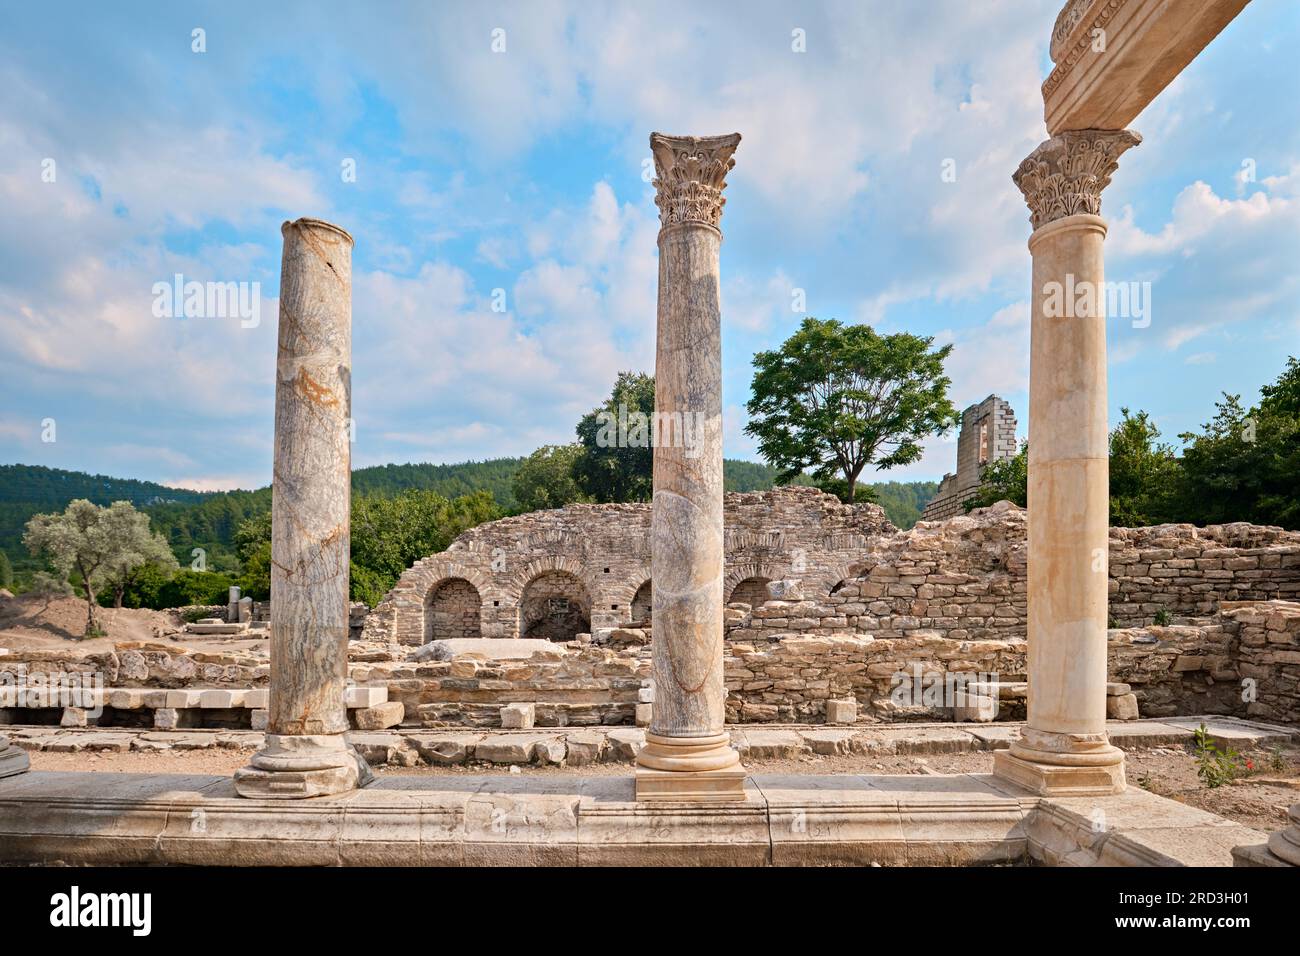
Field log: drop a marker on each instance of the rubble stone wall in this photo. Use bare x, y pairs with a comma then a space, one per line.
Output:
603, 552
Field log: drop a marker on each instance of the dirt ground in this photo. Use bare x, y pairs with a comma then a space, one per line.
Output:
28, 623
1258, 800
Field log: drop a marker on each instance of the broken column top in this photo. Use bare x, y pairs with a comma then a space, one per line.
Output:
307, 222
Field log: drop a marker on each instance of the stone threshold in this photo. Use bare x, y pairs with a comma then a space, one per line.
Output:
579, 746
911, 820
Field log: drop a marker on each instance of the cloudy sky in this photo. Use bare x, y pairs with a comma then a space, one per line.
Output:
522, 171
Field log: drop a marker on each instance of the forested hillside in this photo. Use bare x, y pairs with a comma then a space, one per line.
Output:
209, 520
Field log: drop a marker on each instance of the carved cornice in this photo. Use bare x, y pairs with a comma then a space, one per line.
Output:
690, 176
1070, 42
1066, 174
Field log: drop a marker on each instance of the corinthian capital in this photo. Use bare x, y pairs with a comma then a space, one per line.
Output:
690, 176
1066, 174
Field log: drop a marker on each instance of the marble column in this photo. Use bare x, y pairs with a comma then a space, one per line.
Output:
688, 753
306, 753
1285, 844
12, 759
1063, 749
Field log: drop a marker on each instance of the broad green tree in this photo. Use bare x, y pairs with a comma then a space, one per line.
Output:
138, 549
1244, 465
545, 478
617, 460
6, 571
836, 398
1143, 473
93, 541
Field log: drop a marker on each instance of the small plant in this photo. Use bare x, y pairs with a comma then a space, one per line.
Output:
1161, 618
1216, 766
1276, 760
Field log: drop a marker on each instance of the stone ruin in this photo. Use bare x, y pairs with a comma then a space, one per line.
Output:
987, 435
586, 568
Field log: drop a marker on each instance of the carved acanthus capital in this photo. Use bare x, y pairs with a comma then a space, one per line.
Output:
690, 176
1066, 174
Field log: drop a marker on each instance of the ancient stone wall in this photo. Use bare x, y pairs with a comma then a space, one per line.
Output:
596, 558
988, 434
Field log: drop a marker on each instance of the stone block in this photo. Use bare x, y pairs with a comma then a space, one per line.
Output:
841, 711
518, 716
379, 717
358, 697
74, 717
644, 714
1122, 707
260, 718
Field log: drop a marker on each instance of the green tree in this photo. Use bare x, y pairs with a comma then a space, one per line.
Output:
389, 534
1143, 473
138, 549
835, 398
545, 478
96, 542
188, 587
1006, 479
252, 542
1244, 465
617, 460
6, 571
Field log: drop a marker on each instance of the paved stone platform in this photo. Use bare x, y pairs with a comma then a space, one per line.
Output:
961, 819
576, 747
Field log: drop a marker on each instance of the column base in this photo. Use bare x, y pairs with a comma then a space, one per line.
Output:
694, 769
12, 759
298, 767
1062, 765
1285, 844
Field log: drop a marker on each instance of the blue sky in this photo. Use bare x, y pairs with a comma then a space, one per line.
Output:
522, 171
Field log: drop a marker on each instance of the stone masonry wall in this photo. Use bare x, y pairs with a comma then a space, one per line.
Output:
988, 434
790, 532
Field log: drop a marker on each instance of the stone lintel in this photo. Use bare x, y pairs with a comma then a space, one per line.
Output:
1113, 57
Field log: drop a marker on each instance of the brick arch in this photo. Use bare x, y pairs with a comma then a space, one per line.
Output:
742, 572
622, 591
820, 585
513, 590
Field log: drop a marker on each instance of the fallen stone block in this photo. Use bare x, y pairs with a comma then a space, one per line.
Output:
585, 747
445, 750
1122, 707
379, 717
624, 743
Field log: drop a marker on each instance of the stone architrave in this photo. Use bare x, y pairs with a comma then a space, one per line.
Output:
1063, 749
12, 759
688, 753
306, 753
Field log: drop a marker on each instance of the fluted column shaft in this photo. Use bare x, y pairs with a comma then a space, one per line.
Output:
687, 733
1063, 747
306, 753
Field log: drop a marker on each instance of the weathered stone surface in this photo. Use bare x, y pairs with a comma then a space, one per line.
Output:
518, 716
379, 717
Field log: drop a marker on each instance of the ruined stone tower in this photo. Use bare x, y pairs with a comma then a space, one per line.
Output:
988, 434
